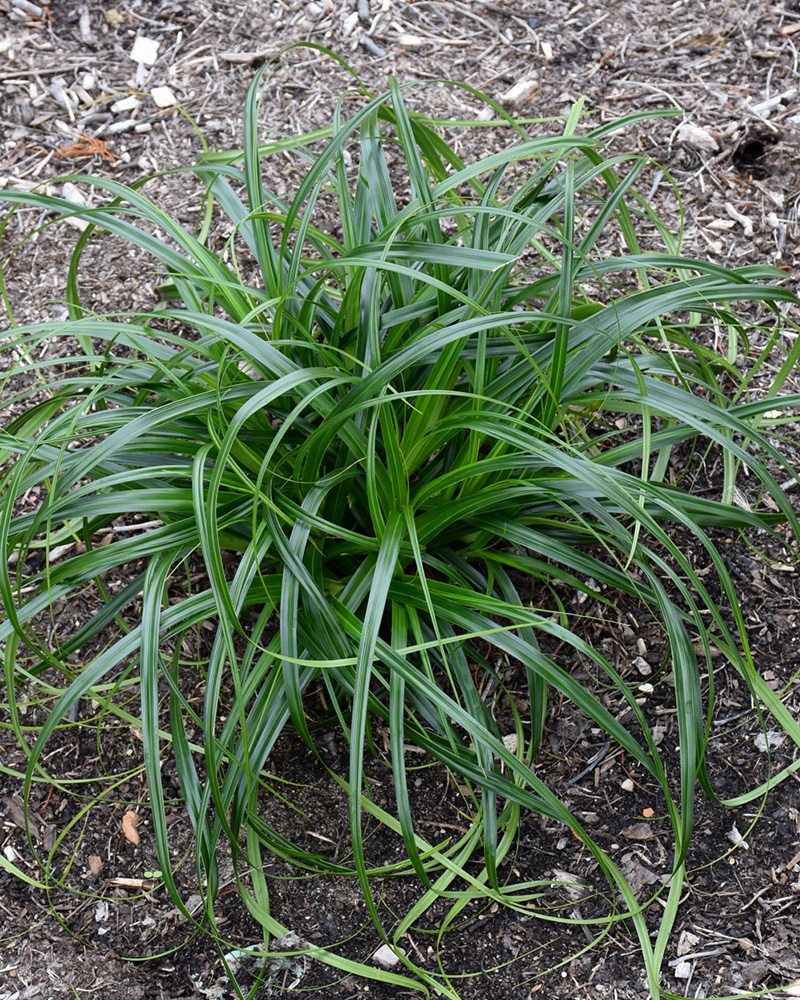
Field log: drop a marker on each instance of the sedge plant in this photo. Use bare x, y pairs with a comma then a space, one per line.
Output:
392, 400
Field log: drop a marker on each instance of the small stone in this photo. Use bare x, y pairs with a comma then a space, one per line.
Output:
95, 864
387, 957
772, 740
683, 970
627, 785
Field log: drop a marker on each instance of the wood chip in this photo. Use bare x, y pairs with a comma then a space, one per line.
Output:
697, 137
15, 810
29, 8
638, 831
130, 821
687, 943
145, 50
163, 97
743, 220
790, 865
125, 104
130, 883
521, 91
244, 57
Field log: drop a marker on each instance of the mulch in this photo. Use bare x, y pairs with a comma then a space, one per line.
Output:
76, 92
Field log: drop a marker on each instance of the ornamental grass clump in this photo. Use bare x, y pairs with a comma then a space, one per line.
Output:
382, 415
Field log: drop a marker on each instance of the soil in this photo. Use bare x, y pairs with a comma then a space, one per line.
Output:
738, 172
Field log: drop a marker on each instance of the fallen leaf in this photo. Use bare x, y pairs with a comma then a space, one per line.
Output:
129, 823
638, 831
16, 811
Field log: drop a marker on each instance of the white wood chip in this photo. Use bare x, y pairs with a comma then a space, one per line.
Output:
126, 104
145, 50
72, 194
124, 126
765, 107
411, 41
29, 8
85, 25
521, 90
743, 220
11, 854
350, 23
163, 97
697, 137
736, 838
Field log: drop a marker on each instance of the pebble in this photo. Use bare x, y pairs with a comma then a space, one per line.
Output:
387, 957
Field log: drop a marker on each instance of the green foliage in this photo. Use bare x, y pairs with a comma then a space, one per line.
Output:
393, 398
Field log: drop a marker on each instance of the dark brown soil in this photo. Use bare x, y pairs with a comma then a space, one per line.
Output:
738, 928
